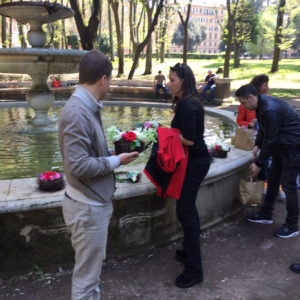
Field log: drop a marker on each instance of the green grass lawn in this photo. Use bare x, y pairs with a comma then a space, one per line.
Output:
284, 83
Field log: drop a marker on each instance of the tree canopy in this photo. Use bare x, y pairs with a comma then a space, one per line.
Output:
196, 34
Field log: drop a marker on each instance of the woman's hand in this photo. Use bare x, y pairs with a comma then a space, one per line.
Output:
185, 142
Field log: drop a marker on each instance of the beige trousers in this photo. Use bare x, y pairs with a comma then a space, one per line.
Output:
89, 228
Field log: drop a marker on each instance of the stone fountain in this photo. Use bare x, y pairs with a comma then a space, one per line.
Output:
37, 61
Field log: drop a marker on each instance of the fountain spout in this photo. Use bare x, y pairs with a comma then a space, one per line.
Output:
38, 63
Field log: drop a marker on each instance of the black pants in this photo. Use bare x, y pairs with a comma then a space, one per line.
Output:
187, 213
284, 170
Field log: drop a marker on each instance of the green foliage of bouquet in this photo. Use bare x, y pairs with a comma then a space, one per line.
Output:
134, 140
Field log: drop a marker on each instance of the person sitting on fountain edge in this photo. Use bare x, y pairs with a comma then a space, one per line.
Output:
87, 205
209, 84
279, 137
160, 83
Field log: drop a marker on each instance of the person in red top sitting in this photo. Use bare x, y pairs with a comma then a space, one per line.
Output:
246, 117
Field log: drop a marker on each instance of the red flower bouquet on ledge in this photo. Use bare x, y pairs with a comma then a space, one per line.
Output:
219, 150
134, 140
51, 181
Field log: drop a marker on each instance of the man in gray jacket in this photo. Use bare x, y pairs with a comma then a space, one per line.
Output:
87, 205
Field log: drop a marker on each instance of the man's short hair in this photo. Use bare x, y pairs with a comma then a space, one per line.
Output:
159, 72
93, 66
209, 71
246, 90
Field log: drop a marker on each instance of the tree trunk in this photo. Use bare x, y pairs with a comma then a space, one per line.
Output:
148, 67
115, 7
64, 44
10, 33
100, 23
88, 34
122, 23
143, 44
237, 53
21, 36
163, 36
231, 24
185, 43
278, 36
3, 33
112, 57
185, 24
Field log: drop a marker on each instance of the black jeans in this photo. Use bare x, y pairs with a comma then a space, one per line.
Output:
187, 214
284, 170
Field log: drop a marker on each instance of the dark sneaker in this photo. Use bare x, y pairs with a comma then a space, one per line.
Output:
180, 256
286, 231
186, 281
295, 268
259, 218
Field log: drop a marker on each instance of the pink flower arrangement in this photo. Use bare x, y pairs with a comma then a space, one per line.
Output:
47, 176
51, 181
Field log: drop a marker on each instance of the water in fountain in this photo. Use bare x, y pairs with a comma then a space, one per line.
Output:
38, 62
25, 153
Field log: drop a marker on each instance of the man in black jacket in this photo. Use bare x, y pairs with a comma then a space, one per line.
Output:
279, 137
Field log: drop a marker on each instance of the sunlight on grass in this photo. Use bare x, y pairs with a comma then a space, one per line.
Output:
284, 83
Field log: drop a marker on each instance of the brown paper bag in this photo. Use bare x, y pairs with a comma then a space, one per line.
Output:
251, 191
244, 138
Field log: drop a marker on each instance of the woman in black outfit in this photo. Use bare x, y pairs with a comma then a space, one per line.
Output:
189, 119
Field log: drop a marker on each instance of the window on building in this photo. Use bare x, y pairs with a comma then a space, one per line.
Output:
216, 28
200, 10
215, 51
209, 44
210, 35
209, 51
210, 28
206, 11
216, 35
204, 51
216, 21
222, 12
216, 12
204, 44
215, 44
211, 20
211, 11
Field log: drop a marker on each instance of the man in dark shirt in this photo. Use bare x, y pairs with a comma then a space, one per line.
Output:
160, 83
279, 137
209, 84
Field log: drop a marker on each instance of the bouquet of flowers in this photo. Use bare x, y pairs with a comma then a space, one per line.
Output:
134, 140
218, 150
51, 181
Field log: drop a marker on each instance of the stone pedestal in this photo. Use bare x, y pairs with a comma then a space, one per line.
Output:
222, 92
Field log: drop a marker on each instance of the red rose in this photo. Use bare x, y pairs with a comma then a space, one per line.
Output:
130, 136
217, 147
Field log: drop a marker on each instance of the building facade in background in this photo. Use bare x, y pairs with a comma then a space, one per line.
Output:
210, 15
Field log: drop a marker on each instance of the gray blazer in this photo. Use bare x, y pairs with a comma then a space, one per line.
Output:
84, 149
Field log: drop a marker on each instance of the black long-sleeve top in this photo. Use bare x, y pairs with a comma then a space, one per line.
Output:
189, 119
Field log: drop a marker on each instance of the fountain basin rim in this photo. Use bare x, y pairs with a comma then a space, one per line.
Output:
41, 52
23, 195
65, 12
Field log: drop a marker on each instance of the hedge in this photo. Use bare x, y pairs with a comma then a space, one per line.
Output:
191, 55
